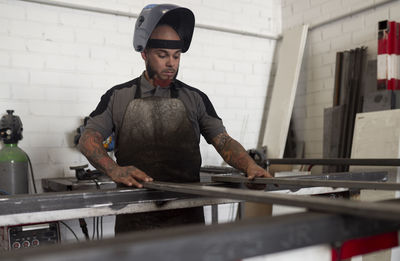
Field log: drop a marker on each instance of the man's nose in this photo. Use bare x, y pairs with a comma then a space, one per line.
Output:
170, 61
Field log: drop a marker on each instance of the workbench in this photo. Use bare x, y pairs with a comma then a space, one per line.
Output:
328, 220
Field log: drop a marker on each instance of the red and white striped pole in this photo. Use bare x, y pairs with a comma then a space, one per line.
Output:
382, 55
397, 58
388, 66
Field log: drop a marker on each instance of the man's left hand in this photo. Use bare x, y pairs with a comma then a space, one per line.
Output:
255, 171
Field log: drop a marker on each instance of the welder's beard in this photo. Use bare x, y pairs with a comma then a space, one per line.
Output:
151, 72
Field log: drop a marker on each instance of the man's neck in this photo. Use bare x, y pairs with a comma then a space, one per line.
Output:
157, 82
146, 75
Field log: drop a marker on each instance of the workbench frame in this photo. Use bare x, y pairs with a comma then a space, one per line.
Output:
337, 220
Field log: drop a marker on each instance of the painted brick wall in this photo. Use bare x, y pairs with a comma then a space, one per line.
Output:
315, 90
56, 62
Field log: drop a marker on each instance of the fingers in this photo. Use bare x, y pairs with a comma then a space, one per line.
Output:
138, 174
130, 176
257, 171
132, 182
251, 176
267, 175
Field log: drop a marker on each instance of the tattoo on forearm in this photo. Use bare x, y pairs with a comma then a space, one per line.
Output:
91, 145
232, 152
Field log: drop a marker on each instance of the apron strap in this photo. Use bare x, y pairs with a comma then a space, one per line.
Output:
138, 92
174, 91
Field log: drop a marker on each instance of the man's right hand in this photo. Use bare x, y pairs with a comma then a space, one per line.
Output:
130, 176
91, 145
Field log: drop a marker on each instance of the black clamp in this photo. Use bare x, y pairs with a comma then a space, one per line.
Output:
82, 174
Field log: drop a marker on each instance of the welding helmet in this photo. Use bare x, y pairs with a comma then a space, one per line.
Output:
179, 18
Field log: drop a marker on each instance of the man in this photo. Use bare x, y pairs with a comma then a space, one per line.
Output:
157, 121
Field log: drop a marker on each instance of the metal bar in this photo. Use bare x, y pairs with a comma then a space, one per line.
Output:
211, 27
351, 184
232, 241
381, 210
349, 14
214, 214
239, 32
337, 161
22, 209
135, 15
356, 176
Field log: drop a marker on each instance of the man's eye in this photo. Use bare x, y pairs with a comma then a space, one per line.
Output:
162, 56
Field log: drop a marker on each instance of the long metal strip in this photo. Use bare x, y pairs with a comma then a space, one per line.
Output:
233, 241
351, 184
26, 208
380, 210
337, 161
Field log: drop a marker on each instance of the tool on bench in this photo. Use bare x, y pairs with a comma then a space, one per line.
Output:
82, 174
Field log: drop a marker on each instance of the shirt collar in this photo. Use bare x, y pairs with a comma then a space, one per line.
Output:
146, 86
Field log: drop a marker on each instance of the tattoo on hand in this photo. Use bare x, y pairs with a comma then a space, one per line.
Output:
126, 172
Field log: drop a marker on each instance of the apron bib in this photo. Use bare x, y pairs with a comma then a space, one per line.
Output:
157, 137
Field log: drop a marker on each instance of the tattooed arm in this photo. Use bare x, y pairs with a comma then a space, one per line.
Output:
91, 145
235, 155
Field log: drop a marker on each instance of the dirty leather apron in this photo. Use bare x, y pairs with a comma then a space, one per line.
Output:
157, 137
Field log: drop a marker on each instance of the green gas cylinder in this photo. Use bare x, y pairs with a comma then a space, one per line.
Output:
13, 170
13, 160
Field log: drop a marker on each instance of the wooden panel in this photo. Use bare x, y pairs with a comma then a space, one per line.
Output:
377, 135
284, 90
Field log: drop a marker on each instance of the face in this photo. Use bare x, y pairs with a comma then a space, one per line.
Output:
162, 64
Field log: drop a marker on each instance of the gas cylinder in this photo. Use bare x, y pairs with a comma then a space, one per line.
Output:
13, 160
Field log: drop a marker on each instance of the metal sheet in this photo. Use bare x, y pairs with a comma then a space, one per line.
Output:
339, 161
310, 182
356, 176
232, 241
381, 210
360, 176
22, 209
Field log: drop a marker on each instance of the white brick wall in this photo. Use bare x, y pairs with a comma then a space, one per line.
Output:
316, 92
56, 62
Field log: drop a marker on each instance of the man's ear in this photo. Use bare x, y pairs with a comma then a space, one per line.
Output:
144, 55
